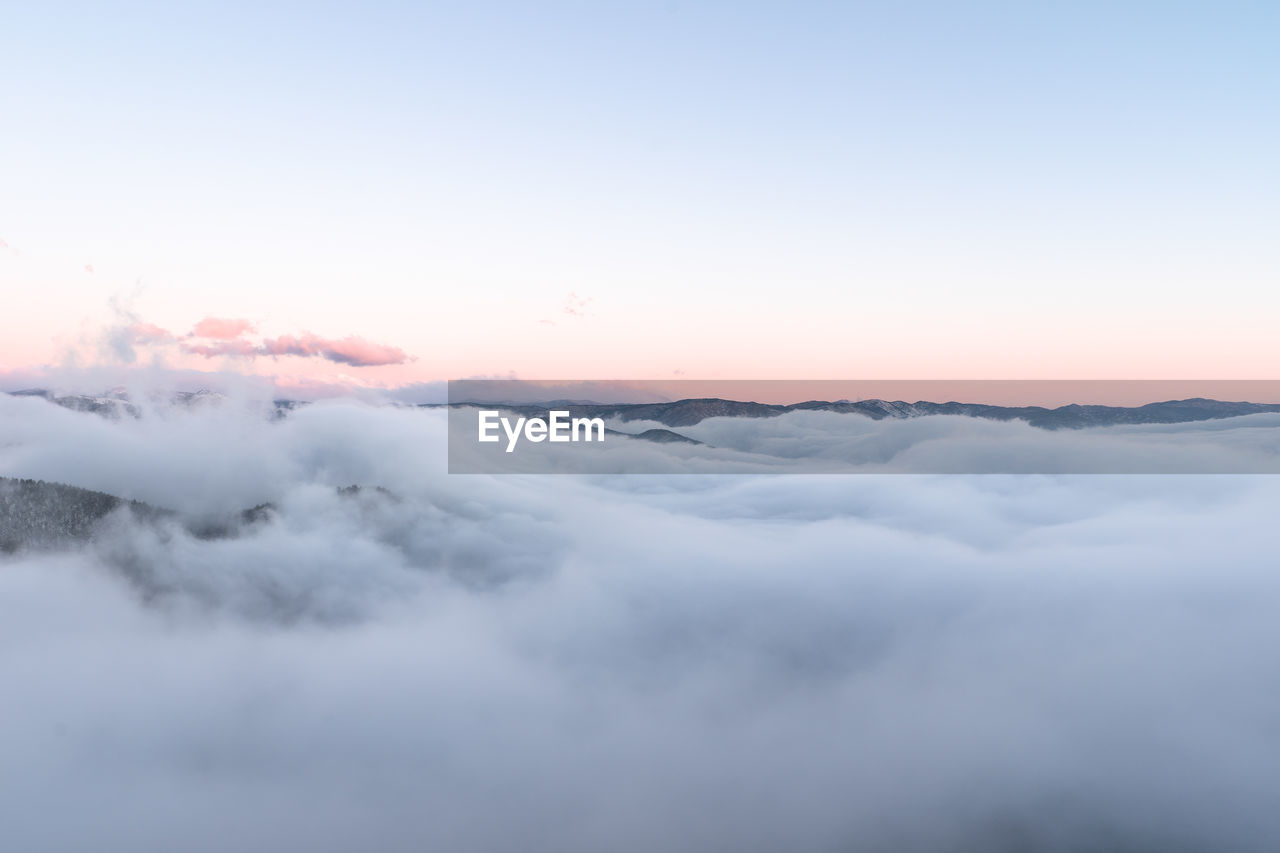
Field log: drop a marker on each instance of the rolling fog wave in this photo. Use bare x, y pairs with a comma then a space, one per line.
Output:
694, 663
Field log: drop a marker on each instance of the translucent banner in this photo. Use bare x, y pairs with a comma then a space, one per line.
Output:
864, 427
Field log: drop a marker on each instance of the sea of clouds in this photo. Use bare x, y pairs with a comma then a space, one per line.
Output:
629, 663
818, 442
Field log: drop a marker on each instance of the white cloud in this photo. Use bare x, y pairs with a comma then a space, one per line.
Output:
628, 663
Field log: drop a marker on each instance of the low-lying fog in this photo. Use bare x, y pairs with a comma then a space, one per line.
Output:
629, 663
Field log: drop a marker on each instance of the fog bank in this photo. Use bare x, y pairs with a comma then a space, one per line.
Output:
632, 663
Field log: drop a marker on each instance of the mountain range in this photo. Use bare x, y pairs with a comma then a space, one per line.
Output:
681, 413
117, 403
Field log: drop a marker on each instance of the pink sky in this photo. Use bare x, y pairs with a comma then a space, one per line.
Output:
1049, 393
620, 198
320, 329
302, 359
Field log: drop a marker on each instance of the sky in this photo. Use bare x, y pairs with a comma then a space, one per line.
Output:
390, 193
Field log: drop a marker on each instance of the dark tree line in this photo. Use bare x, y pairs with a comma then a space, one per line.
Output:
38, 514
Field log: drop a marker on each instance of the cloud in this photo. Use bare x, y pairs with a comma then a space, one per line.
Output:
150, 333
814, 442
575, 305
217, 337
905, 663
221, 328
120, 339
351, 350
88, 268
244, 349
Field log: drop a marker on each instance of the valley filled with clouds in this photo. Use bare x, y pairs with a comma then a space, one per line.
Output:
627, 662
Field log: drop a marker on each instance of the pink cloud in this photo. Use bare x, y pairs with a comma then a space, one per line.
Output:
120, 339
88, 267
351, 350
150, 333
222, 348
221, 328
575, 305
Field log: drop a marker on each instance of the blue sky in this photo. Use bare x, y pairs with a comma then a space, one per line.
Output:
991, 178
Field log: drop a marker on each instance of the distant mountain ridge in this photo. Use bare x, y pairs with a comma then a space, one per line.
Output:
688, 412
116, 404
681, 413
